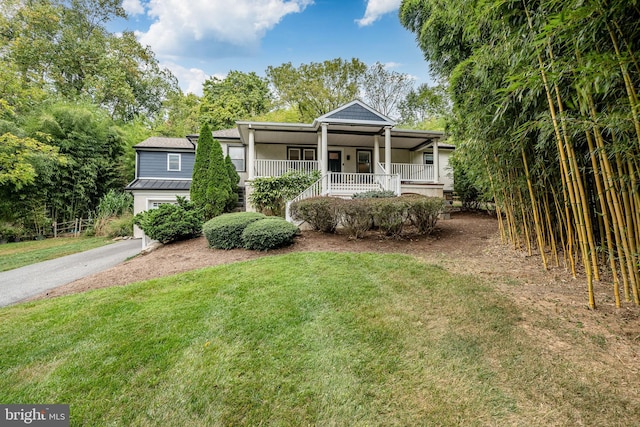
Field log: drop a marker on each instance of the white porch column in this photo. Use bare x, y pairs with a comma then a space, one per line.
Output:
251, 155
387, 149
320, 156
324, 165
436, 162
376, 152
325, 149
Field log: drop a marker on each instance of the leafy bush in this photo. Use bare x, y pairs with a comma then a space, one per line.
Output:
356, 217
225, 231
270, 194
374, 194
114, 215
11, 232
114, 203
465, 184
169, 223
269, 233
322, 213
424, 211
389, 214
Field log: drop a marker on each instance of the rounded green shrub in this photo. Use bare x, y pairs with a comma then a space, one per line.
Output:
269, 233
356, 217
322, 212
170, 223
225, 231
424, 211
389, 214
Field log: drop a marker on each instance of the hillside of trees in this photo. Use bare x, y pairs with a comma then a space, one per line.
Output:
75, 99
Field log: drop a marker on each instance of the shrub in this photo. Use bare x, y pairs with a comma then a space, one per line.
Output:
269, 233
322, 213
170, 223
219, 191
389, 214
11, 232
374, 194
424, 211
225, 231
270, 194
115, 226
355, 216
234, 179
114, 203
114, 215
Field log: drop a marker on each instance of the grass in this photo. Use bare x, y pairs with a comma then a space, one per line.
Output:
15, 255
300, 339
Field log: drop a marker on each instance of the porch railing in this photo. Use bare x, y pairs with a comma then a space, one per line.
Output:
279, 167
347, 184
316, 189
413, 172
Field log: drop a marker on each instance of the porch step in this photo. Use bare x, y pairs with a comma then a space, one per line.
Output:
240, 206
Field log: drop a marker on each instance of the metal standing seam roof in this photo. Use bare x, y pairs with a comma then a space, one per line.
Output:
159, 184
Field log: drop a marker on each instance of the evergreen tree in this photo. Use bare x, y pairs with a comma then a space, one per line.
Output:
234, 178
200, 177
218, 184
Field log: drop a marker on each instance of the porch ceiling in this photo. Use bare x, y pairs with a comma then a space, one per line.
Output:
344, 135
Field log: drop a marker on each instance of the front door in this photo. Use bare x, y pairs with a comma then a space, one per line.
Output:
335, 161
364, 161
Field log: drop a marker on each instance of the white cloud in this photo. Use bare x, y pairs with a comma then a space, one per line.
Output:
133, 7
177, 24
390, 65
190, 79
377, 8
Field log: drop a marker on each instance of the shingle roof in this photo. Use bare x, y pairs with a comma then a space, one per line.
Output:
163, 142
227, 133
159, 184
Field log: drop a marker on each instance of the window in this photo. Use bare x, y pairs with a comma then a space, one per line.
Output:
428, 158
301, 154
236, 154
173, 162
155, 204
364, 161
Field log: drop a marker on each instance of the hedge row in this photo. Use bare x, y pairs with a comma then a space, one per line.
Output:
250, 230
358, 215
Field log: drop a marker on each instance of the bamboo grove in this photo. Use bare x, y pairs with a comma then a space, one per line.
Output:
546, 120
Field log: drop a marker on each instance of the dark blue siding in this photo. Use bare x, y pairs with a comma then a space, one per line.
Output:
153, 164
356, 112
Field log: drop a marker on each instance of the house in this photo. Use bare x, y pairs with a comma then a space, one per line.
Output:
354, 147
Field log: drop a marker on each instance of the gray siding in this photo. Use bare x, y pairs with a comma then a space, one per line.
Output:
356, 112
153, 164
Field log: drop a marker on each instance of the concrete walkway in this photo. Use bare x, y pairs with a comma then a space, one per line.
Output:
24, 282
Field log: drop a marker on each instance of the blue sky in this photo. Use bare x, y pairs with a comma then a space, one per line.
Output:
197, 39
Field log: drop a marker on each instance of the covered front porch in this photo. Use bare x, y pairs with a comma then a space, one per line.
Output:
359, 148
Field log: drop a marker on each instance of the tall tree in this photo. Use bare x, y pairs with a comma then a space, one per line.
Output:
317, 88
180, 115
238, 96
93, 147
385, 89
545, 109
425, 104
219, 189
200, 175
64, 47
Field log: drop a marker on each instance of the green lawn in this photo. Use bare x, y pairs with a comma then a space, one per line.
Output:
15, 255
301, 339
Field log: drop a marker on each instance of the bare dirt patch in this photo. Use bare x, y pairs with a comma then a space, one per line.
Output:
468, 243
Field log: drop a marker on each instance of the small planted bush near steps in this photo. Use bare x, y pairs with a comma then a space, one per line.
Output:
250, 230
